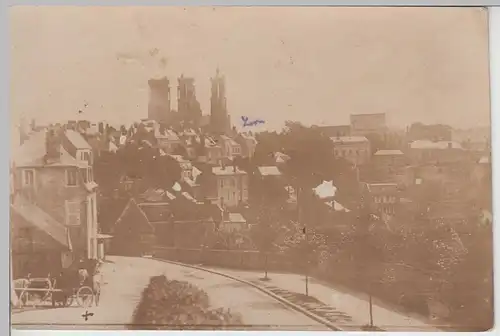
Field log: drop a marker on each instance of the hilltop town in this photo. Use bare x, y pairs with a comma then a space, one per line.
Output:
362, 205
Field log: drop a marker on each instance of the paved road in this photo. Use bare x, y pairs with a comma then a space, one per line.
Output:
125, 278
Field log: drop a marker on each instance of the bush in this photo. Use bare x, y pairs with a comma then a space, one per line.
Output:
172, 305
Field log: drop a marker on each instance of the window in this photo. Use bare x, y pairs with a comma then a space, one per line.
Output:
72, 213
71, 177
222, 183
85, 174
29, 177
232, 182
90, 174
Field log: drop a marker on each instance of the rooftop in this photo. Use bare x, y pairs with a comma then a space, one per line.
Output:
38, 218
235, 218
166, 134
269, 171
349, 139
77, 140
325, 190
388, 152
382, 187
33, 151
227, 170
427, 144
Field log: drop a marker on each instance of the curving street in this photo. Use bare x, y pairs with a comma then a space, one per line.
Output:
126, 277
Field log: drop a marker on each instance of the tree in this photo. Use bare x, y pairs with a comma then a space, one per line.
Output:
265, 233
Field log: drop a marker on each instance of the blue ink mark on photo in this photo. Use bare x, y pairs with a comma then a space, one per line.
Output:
251, 123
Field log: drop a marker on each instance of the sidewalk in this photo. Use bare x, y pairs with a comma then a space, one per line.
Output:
356, 307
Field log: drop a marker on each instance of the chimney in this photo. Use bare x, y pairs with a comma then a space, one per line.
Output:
234, 168
52, 144
449, 145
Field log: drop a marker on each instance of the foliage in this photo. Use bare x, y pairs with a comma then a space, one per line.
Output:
137, 161
170, 304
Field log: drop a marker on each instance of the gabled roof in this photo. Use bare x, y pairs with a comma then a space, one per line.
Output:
33, 150
230, 140
110, 211
77, 140
36, 217
337, 206
133, 215
156, 212
280, 157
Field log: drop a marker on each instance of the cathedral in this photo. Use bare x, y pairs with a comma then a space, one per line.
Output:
220, 122
188, 108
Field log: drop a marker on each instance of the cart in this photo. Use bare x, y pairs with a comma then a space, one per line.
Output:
36, 292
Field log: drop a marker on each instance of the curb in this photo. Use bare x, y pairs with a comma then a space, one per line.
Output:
262, 289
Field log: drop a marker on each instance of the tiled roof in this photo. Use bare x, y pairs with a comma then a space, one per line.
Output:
349, 139
77, 140
38, 218
227, 170
269, 171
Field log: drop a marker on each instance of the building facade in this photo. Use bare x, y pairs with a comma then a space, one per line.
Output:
159, 100
220, 122
54, 172
188, 106
365, 124
355, 149
231, 186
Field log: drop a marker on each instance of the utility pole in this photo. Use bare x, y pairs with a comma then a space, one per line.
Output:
304, 231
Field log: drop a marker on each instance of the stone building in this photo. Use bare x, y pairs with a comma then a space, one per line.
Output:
220, 122
159, 100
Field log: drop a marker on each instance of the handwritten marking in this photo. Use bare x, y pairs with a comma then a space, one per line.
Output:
251, 123
87, 315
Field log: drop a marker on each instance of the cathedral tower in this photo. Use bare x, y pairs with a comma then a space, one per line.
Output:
219, 117
187, 105
159, 100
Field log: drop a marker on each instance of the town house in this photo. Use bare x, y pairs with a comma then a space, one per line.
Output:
232, 185
355, 149
248, 144
230, 148
58, 163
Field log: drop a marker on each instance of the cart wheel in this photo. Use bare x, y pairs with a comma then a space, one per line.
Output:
85, 296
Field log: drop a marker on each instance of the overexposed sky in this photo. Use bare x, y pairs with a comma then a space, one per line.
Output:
314, 65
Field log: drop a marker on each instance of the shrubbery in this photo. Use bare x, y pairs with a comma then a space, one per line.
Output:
172, 305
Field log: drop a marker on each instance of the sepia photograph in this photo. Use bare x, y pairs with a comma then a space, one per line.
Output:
250, 168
